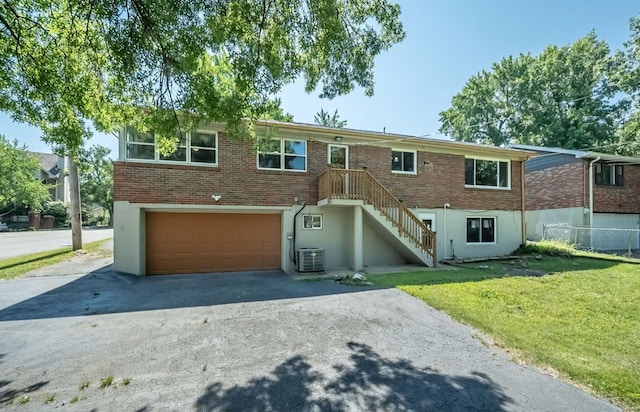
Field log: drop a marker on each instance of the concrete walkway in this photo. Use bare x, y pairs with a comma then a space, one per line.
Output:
251, 341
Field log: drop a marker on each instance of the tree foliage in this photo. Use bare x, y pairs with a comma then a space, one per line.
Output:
96, 178
18, 177
628, 78
330, 120
564, 97
72, 66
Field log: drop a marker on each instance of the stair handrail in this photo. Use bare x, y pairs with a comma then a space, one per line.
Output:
371, 191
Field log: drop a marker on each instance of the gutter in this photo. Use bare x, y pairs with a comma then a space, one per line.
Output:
523, 221
591, 190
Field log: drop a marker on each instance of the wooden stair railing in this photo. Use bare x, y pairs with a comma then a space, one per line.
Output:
361, 185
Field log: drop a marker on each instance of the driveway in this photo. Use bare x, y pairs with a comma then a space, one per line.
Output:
23, 243
251, 341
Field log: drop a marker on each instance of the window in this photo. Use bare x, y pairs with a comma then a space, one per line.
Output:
140, 145
481, 230
204, 148
180, 155
193, 147
610, 175
403, 162
312, 221
284, 154
486, 173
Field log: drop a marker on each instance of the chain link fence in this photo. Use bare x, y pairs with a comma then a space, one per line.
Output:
621, 242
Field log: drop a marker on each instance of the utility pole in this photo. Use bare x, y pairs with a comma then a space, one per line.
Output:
76, 213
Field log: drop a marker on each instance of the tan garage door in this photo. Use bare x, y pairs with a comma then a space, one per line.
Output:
208, 242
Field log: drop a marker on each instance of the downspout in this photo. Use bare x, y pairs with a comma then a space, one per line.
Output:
591, 191
295, 218
444, 212
523, 221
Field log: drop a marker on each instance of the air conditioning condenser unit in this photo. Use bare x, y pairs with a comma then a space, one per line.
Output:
310, 260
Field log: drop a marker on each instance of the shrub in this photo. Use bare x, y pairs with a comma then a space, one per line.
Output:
546, 248
58, 210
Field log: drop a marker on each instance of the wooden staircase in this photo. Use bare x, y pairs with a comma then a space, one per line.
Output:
361, 185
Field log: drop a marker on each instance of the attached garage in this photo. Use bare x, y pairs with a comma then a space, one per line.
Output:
211, 242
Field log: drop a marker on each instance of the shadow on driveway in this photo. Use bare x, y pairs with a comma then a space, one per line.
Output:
104, 291
368, 381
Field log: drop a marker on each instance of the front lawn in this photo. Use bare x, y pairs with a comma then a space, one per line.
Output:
582, 318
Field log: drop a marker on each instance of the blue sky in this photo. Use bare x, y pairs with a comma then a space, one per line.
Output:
447, 42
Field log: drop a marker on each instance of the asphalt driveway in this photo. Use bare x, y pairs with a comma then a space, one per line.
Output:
23, 243
250, 341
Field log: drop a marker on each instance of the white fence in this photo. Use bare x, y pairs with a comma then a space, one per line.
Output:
622, 242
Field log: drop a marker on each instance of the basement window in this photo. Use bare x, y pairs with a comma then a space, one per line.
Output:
312, 221
481, 230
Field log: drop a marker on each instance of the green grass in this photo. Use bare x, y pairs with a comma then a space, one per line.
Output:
106, 382
15, 267
581, 319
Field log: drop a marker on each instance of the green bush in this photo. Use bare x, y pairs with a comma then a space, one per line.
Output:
58, 210
546, 248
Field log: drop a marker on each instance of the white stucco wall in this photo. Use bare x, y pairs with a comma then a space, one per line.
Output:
508, 232
336, 235
128, 238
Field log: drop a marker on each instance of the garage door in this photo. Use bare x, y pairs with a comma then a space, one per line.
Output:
207, 242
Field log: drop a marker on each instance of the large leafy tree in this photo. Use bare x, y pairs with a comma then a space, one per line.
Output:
72, 66
18, 178
628, 78
96, 178
564, 97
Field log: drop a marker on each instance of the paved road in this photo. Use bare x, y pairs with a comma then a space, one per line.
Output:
23, 243
254, 342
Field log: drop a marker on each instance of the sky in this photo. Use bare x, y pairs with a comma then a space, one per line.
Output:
447, 42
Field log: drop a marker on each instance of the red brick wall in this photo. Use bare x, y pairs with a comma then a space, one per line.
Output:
239, 182
556, 187
568, 186
619, 199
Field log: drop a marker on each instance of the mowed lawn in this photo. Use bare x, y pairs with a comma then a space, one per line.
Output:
581, 319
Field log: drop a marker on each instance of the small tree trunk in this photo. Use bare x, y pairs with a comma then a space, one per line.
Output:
76, 214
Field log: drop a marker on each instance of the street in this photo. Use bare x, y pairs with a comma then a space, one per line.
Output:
24, 243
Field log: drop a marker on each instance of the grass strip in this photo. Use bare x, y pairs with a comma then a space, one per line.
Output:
15, 267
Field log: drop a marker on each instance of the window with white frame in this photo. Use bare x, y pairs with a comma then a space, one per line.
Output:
487, 173
403, 161
283, 154
610, 175
141, 146
193, 147
312, 221
481, 230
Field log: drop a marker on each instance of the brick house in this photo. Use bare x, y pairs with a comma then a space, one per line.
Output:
353, 198
580, 188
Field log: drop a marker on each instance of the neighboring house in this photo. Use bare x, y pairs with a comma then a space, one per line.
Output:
363, 198
51, 173
580, 188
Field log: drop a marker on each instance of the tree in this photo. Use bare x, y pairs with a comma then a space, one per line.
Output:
325, 119
72, 66
96, 178
18, 182
563, 97
628, 78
